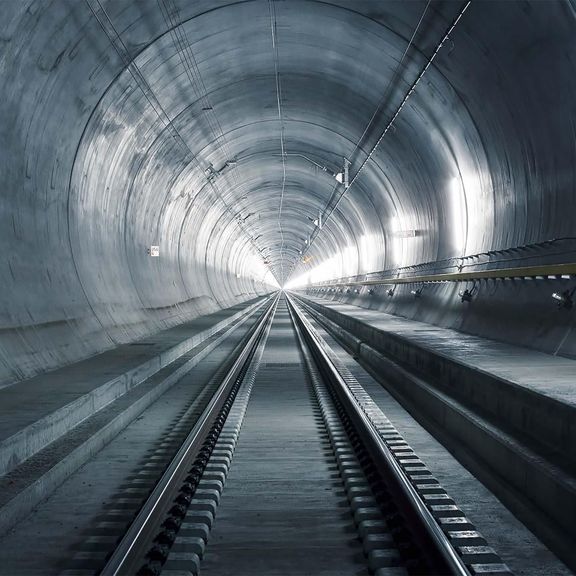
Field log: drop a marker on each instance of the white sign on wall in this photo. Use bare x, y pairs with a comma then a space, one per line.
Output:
154, 251
406, 233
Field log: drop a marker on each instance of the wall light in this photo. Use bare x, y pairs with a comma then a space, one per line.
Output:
417, 293
465, 296
564, 299
459, 224
390, 292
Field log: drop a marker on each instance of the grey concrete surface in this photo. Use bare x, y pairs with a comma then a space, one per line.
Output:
532, 392
33, 480
512, 438
525, 554
546, 374
39, 410
131, 124
283, 510
213, 129
76, 519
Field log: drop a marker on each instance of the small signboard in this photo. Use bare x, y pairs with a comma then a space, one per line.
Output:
154, 251
406, 233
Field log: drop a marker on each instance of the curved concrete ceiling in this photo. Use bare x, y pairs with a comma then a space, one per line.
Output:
213, 129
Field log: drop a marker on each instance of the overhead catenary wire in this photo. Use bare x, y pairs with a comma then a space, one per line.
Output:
171, 15
408, 94
272, 9
384, 97
392, 79
328, 211
108, 27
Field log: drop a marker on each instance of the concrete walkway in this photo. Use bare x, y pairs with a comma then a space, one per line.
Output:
551, 376
37, 411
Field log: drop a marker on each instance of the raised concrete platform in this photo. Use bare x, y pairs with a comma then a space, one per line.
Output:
509, 413
36, 412
540, 396
517, 546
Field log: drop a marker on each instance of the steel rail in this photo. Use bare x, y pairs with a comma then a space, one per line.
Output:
549, 271
128, 555
436, 546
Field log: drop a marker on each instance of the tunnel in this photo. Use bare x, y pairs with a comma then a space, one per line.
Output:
371, 191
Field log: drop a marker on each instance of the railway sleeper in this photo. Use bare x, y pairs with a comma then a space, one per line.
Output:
477, 555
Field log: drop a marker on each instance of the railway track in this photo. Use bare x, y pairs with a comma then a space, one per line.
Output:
288, 467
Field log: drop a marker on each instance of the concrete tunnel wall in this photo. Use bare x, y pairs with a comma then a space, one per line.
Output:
130, 124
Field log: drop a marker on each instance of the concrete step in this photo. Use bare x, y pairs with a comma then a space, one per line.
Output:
513, 463
530, 393
38, 411
34, 479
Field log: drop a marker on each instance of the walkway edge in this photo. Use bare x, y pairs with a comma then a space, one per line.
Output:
29, 440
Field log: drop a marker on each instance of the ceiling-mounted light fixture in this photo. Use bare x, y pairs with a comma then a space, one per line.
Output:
343, 177
209, 172
564, 299
411, 233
